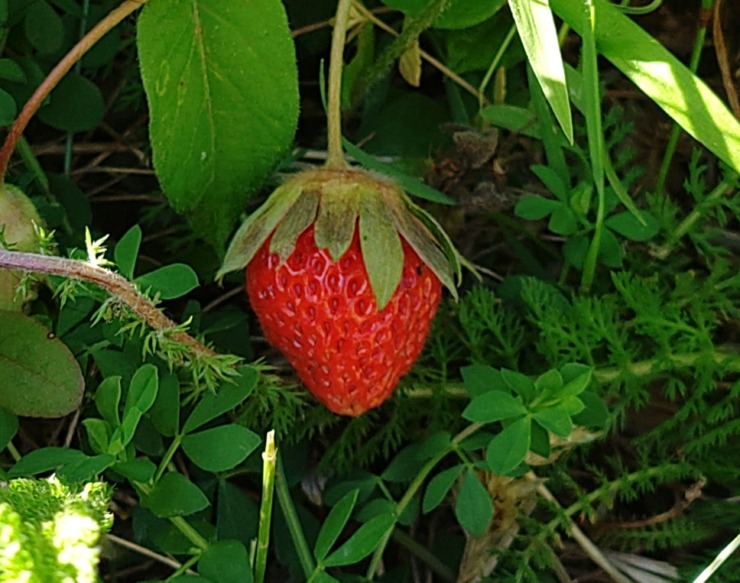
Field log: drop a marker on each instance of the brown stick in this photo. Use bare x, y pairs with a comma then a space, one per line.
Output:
720, 48
57, 74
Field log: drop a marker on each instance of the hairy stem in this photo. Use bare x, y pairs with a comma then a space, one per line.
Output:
57, 73
335, 157
113, 283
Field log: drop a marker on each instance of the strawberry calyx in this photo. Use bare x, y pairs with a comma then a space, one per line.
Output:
336, 202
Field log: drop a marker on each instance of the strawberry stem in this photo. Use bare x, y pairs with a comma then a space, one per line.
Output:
335, 158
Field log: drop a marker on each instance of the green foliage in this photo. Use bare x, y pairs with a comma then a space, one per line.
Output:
589, 378
50, 531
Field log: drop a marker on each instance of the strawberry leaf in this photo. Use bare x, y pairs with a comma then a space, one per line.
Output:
207, 67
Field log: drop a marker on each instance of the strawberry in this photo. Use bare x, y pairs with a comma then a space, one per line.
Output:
345, 275
322, 315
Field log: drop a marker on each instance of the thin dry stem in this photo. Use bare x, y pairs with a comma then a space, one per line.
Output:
720, 47
593, 552
113, 283
57, 74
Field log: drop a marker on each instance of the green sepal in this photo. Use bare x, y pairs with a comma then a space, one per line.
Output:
418, 235
300, 216
258, 227
381, 248
338, 212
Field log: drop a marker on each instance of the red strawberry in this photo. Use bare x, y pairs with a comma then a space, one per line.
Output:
345, 275
322, 315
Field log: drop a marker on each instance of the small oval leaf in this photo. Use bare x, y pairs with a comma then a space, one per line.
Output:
362, 542
170, 281
41, 377
473, 507
175, 495
220, 448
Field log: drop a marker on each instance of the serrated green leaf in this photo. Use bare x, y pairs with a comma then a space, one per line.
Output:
493, 406
439, 486
667, 81
536, 28
362, 542
226, 561
40, 376
127, 250
221, 82
473, 507
556, 420
220, 448
333, 525
381, 247
170, 282
228, 396
175, 495
509, 448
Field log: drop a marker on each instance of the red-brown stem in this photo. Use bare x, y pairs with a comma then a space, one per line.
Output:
113, 283
57, 74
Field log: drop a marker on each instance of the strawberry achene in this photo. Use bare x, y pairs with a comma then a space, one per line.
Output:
322, 315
